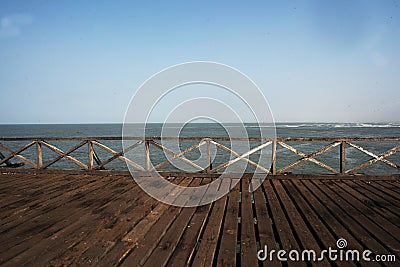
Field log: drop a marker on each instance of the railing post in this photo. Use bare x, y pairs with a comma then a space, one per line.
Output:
209, 167
147, 155
90, 154
274, 157
342, 157
39, 155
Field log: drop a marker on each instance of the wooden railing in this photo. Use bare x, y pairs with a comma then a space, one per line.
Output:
10, 151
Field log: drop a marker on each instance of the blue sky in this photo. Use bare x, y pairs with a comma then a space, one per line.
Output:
81, 61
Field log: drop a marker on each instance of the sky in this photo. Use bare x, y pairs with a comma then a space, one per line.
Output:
315, 61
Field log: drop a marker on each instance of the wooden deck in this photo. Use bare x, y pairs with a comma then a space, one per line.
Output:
53, 219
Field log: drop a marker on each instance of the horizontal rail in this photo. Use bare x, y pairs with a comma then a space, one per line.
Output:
149, 138
91, 160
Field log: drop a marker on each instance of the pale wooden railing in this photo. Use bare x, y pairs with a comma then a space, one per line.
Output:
94, 163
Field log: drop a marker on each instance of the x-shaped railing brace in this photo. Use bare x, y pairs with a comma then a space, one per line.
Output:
375, 158
309, 157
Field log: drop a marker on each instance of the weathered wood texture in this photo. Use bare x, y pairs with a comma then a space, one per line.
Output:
54, 219
154, 143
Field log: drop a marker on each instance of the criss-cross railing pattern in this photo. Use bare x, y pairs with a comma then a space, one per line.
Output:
93, 161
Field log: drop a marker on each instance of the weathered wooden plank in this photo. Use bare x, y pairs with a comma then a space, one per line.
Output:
105, 220
19, 181
314, 222
31, 253
169, 242
248, 242
328, 218
380, 217
285, 238
161, 254
36, 218
376, 200
145, 225
146, 244
264, 225
392, 186
359, 212
37, 228
78, 219
31, 195
186, 248
357, 225
391, 198
121, 213
207, 249
51, 194
393, 190
229, 246
69, 223
130, 221
302, 231
31, 189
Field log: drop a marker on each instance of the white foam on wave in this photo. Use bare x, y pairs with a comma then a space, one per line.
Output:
378, 125
340, 125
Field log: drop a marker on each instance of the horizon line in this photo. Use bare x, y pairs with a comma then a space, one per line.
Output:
120, 123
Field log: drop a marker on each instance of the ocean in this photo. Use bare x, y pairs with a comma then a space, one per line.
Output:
284, 156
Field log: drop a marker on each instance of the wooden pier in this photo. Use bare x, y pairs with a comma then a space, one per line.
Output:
93, 216
78, 218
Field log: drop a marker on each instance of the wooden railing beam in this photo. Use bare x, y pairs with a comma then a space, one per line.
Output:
93, 158
39, 156
90, 155
342, 157
17, 155
273, 167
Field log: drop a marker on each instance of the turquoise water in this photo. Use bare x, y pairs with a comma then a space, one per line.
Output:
284, 156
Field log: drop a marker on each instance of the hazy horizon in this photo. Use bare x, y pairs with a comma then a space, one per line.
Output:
279, 122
